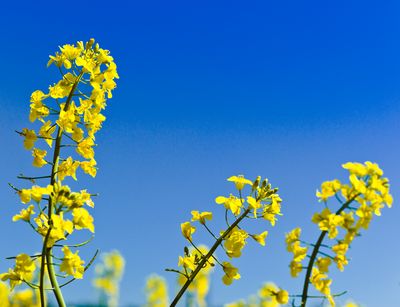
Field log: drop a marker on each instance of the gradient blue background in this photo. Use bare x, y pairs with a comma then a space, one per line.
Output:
288, 90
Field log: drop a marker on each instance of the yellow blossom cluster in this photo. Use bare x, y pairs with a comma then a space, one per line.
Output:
359, 200
200, 286
22, 271
66, 119
262, 202
269, 295
156, 291
299, 252
21, 298
108, 276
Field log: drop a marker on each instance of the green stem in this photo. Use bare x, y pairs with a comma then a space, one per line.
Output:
206, 257
47, 251
314, 254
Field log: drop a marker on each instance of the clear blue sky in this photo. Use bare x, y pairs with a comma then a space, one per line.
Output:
287, 90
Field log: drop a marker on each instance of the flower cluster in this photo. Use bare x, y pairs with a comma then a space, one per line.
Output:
108, 276
270, 295
365, 195
71, 109
156, 291
262, 202
200, 285
22, 298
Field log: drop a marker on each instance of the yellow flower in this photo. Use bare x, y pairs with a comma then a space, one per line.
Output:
89, 167
239, 181
67, 118
292, 237
46, 132
71, 52
299, 253
25, 195
358, 185
260, 238
58, 230
85, 197
351, 304
24, 298
60, 90
322, 284
187, 262
30, 138
67, 168
105, 284
323, 264
340, 250
82, 219
85, 148
201, 217
254, 204
271, 295
38, 109
295, 268
364, 212
4, 292
231, 273
272, 210
356, 168
282, 296
234, 242
328, 221
328, 189
25, 214
23, 270
37, 192
156, 291
231, 203
38, 157
373, 168
187, 230
72, 264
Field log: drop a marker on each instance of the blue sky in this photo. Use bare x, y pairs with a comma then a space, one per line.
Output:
283, 89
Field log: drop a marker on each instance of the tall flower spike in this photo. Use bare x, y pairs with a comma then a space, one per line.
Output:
365, 195
261, 202
71, 110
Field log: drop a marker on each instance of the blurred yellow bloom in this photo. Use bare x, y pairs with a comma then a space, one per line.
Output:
108, 276
323, 264
156, 292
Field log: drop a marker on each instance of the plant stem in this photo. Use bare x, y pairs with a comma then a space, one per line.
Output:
46, 251
206, 257
315, 251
